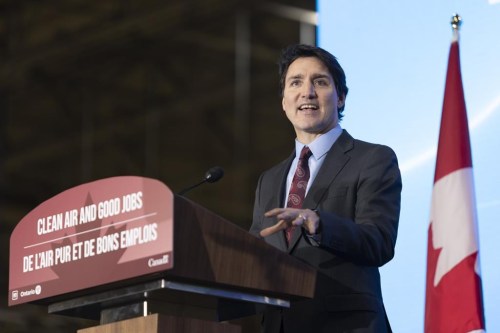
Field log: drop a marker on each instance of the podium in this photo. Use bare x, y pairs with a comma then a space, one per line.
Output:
219, 272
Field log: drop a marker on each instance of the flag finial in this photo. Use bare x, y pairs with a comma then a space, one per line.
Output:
456, 22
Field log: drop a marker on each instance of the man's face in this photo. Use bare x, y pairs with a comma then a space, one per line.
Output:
310, 98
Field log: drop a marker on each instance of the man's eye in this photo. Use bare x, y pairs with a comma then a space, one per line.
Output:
294, 83
321, 82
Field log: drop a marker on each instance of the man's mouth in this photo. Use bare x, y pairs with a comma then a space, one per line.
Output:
308, 107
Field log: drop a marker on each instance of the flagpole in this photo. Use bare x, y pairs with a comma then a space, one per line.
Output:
456, 22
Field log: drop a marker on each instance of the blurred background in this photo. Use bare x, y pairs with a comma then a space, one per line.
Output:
161, 89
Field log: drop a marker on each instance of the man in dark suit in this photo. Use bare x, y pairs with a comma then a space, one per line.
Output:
340, 209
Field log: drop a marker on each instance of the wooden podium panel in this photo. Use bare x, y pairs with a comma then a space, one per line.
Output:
156, 323
211, 250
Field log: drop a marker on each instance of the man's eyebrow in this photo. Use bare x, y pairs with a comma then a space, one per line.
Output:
313, 76
320, 76
293, 77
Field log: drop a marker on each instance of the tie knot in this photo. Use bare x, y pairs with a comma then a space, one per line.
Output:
305, 153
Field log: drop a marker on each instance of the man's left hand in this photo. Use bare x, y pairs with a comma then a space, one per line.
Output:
288, 217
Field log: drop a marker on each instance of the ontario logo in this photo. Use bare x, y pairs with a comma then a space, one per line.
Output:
33, 291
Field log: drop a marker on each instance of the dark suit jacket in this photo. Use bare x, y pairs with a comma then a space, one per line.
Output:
357, 196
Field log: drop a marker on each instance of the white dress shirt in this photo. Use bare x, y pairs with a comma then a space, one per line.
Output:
319, 147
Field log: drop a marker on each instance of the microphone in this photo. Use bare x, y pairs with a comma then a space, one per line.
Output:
213, 175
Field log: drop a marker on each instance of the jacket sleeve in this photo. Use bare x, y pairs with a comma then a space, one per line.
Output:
258, 211
366, 232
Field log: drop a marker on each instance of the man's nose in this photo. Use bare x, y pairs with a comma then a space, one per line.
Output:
308, 90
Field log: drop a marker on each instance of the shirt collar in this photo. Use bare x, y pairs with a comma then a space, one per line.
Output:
322, 144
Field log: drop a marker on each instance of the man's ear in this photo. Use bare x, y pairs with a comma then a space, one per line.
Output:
283, 104
341, 102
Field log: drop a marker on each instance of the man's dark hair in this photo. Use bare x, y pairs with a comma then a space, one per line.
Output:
293, 52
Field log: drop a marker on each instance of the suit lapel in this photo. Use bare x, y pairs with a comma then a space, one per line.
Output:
335, 161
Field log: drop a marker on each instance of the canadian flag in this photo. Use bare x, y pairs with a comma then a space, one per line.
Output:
454, 301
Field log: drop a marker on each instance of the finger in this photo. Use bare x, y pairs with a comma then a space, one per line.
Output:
274, 212
299, 220
281, 225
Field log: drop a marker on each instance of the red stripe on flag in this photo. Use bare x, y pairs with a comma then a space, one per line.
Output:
454, 146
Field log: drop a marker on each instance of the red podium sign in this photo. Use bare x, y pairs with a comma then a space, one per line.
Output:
93, 234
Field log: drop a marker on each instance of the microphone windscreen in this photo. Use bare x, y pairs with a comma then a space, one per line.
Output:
214, 174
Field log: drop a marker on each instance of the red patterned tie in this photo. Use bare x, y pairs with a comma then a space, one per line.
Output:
298, 187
